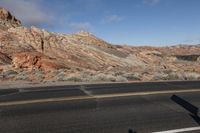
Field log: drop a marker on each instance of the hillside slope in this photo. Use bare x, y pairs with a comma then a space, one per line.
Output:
35, 54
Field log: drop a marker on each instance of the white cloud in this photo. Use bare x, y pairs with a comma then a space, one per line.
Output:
151, 2
112, 18
29, 12
81, 26
191, 41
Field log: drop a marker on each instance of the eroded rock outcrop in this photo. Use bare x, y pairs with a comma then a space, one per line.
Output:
38, 54
35, 60
7, 20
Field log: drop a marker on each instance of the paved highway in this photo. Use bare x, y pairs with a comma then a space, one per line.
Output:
165, 107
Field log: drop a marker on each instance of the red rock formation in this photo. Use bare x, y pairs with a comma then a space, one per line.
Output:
32, 60
32, 48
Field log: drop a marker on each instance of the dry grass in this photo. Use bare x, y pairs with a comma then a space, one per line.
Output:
104, 77
132, 76
177, 76
108, 78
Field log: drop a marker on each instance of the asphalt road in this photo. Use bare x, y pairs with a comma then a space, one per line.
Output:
104, 108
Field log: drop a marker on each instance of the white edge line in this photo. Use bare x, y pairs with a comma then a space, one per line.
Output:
180, 130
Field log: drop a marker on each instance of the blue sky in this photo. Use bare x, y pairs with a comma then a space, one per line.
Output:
133, 22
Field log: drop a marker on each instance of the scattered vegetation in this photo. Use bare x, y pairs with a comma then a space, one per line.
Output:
177, 76
73, 78
22, 77
9, 73
104, 77
94, 76
132, 76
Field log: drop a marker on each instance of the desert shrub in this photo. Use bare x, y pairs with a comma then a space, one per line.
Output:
160, 76
1, 76
121, 79
22, 76
177, 76
86, 74
9, 74
198, 59
132, 76
191, 76
195, 76
60, 76
119, 73
104, 77
40, 75
69, 77
73, 78
167, 71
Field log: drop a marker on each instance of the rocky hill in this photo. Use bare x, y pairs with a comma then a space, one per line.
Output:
34, 54
7, 20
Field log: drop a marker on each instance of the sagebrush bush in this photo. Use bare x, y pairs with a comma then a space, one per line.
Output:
191, 76
160, 76
73, 78
9, 73
22, 76
177, 76
132, 76
104, 77
121, 79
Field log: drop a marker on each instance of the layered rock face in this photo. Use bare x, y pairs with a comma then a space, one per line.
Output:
7, 20
41, 55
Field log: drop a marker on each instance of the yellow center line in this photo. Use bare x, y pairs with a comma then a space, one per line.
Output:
102, 96
145, 93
